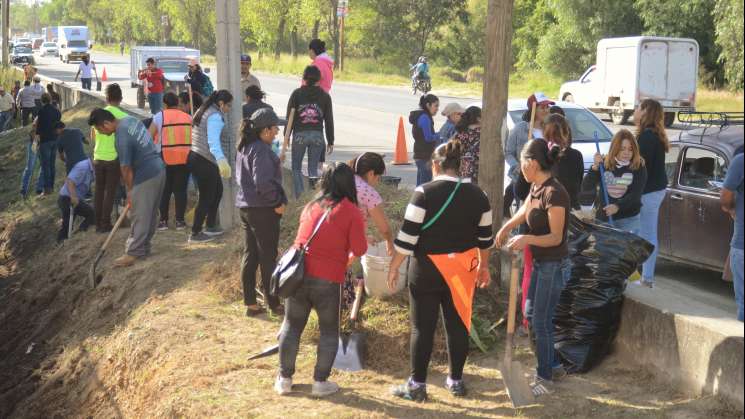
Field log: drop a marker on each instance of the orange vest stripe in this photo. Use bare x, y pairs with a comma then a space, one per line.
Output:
176, 133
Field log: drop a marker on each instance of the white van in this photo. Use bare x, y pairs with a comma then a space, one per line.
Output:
629, 70
73, 43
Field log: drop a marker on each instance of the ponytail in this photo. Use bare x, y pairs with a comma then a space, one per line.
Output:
249, 134
366, 162
448, 155
217, 96
538, 150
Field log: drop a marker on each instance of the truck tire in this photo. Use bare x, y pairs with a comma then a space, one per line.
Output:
141, 98
568, 97
669, 119
618, 115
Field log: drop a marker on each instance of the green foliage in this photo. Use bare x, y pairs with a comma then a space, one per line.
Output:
728, 15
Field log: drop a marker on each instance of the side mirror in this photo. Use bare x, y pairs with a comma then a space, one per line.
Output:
207, 70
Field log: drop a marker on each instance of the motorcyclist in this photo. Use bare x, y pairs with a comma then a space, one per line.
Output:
420, 71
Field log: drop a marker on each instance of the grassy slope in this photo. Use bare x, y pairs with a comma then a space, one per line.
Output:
168, 338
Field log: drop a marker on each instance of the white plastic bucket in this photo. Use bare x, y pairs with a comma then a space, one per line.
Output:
375, 268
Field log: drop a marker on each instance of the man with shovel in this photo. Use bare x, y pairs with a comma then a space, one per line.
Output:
77, 185
143, 174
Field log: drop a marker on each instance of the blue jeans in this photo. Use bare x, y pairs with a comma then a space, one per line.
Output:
423, 172
548, 281
155, 100
313, 143
649, 220
736, 265
5, 118
630, 225
29, 171
47, 154
86, 83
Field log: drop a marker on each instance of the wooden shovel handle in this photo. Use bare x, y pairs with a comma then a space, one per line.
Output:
119, 222
532, 121
288, 128
514, 278
358, 291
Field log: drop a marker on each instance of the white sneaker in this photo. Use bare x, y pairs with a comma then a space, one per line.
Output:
324, 388
283, 386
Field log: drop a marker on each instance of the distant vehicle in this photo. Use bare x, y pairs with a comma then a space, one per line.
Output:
49, 33
22, 55
174, 61
49, 49
73, 43
629, 70
23, 42
693, 229
36, 44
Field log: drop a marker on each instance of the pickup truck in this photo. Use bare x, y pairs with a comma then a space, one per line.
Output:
174, 61
629, 70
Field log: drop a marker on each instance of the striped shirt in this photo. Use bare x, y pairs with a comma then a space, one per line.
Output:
465, 224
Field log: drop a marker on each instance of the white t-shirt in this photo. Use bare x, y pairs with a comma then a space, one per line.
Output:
86, 71
158, 123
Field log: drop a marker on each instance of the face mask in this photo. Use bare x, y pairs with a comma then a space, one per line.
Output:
622, 163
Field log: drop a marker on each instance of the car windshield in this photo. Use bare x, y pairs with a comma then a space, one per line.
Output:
174, 66
77, 44
49, 44
582, 122
23, 50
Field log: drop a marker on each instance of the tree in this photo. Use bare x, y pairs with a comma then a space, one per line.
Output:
729, 35
195, 29
496, 83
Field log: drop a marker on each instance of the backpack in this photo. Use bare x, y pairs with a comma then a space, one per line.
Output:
207, 88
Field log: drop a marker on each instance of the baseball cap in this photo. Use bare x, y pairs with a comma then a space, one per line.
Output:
539, 98
193, 62
245, 58
452, 108
264, 118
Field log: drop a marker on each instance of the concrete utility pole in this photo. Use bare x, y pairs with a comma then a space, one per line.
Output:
496, 83
229, 78
5, 31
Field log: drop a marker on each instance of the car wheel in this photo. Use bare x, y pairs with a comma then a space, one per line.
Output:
568, 98
618, 115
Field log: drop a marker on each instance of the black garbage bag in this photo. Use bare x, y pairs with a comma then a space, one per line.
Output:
588, 316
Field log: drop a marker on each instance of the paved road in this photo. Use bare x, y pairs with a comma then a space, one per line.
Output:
366, 120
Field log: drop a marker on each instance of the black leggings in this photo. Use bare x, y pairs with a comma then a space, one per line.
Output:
209, 184
261, 227
177, 180
425, 308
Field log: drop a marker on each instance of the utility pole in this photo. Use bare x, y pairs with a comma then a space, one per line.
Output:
341, 11
496, 83
229, 78
5, 32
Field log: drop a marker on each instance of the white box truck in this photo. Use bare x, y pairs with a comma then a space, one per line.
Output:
174, 61
629, 70
72, 42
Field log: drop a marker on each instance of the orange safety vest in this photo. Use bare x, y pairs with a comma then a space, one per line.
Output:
176, 133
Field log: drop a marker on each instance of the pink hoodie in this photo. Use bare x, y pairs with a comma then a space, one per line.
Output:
326, 65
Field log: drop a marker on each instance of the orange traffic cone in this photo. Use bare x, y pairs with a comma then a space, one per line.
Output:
401, 156
104, 77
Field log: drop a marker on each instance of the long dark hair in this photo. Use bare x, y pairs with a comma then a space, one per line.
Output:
471, 116
249, 134
366, 162
223, 96
427, 100
538, 150
653, 118
337, 184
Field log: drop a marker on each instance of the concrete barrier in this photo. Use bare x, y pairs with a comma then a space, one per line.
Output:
697, 349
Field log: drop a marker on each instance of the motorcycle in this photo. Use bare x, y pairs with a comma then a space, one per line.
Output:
418, 84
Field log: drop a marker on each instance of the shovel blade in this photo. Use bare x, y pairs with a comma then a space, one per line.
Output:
518, 388
272, 350
351, 353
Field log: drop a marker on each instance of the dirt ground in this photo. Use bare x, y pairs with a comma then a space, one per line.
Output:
169, 338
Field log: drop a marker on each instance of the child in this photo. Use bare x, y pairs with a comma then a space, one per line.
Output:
625, 177
76, 186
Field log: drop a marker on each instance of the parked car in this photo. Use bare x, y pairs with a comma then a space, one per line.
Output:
629, 70
174, 61
23, 42
22, 55
49, 48
693, 229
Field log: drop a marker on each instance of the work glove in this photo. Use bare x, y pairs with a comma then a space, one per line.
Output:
224, 167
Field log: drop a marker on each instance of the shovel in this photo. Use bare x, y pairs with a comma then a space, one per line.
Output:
513, 374
95, 280
351, 353
70, 222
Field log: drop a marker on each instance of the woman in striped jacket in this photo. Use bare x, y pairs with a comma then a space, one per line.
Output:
447, 231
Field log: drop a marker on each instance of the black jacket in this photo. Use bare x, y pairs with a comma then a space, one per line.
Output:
625, 188
423, 149
653, 152
569, 171
313, 110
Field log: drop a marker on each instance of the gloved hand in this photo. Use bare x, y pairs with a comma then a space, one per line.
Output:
224, 167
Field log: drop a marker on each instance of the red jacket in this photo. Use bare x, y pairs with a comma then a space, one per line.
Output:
342, 233
154, 80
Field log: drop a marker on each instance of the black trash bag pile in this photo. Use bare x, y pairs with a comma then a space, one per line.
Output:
588, 316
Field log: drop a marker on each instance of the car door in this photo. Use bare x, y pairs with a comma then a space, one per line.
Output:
585, 94
702, 231
667, 218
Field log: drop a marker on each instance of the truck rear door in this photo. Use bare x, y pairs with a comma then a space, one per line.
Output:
653, 67
682, 67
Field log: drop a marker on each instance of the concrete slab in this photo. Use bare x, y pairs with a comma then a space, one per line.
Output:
693, 345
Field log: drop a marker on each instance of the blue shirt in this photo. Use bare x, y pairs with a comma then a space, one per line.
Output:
734, 182
82, 176
136, 149
447, 131
215, 124
70, 142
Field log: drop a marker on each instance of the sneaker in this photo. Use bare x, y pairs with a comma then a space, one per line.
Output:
407, 392
214, 232
163, 226
456, 387
541, 387
648, 284
200, 238
180, 225
559, 373
324, 388
252, 311
283, 386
